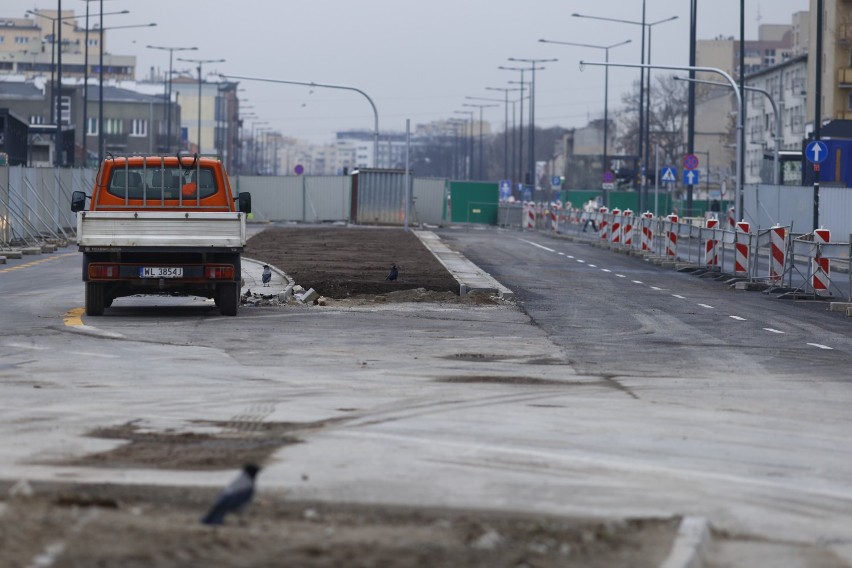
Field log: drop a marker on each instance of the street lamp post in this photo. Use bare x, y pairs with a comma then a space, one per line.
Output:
480, 107
168, 96
605, 48
731, 82
644, 94
533, 63
200, 62
327, 86
468, 167
521, 119
506, 91
775, 112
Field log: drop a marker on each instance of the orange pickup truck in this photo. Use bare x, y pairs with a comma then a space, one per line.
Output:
161, 225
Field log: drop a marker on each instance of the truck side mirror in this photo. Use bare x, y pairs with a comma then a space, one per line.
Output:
244, 204
78, 201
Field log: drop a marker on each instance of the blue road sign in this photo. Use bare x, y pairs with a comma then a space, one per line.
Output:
690, 177
668, 175
556, 182
816, 152
505, 189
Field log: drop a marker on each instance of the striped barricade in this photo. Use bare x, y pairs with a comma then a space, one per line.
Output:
671, 235
603, 223
615, 230
711, 246
741, 248
647, 231
777, 253
821, 265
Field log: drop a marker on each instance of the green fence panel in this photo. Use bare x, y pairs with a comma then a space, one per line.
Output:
474, 202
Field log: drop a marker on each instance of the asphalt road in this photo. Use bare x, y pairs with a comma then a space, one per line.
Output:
614, 389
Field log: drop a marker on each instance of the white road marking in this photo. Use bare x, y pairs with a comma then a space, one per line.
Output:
581, 260
709, 307
679, 296
821, 346
657, 288
606, 269
561, 253
592, 266
738, 318
637, 281
621, 275
538, 245
770, 330
570, 255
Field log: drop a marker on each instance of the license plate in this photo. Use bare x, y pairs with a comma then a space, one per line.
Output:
160, 272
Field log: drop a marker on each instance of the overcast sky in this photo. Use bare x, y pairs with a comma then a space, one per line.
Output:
417, 60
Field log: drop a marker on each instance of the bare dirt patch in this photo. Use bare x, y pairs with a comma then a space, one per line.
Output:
137, 526
351, 263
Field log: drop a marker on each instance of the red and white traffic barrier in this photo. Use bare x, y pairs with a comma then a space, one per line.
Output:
615, 230
554, 216
647, 231
777, 252
603, 224
821, 267
671, 235
741, 247
711, 256
627, 228
529, 215
732, 221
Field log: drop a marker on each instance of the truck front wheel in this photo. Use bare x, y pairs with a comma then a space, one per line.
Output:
95, 299
228, 298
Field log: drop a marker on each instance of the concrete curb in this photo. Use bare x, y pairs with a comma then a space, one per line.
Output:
470, 277
690, 546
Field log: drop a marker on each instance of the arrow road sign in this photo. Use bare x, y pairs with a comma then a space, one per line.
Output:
816, 152
690, 177
668, 175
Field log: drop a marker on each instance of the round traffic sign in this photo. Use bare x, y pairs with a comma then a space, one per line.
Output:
690, 162
608, 177
299, 169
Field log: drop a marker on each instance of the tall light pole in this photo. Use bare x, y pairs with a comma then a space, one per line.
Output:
199, 63
327, 86
468, 168
480, 107
168, 96
643, 119
521, 119
533, 68
86, 80
506, 126
506, 91
605, 48
101, 30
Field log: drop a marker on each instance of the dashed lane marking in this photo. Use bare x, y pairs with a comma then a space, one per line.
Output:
709, 307
593, 266
679, 297
821, 346
770, 330
538, 245
621, 275
606, 270
581, 260
738, 318
637, 281
35, 262
657, 288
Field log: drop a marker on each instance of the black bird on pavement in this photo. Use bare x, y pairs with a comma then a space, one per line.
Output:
234, 497
267, 275
393, 274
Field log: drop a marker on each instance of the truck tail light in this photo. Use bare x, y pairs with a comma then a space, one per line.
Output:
219, 272
103, 271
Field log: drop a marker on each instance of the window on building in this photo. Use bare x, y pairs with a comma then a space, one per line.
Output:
139, 127
21, 40
113, 126
93, 42
2, 39
92, 127
37, 119
64, 110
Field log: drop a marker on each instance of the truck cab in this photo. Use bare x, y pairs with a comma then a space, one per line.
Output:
161, 225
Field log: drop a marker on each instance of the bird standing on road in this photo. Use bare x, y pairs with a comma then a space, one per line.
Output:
234, 497
267, 275
393, 274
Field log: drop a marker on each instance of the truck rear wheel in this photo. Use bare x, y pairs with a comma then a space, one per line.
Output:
95, 299
228, 298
